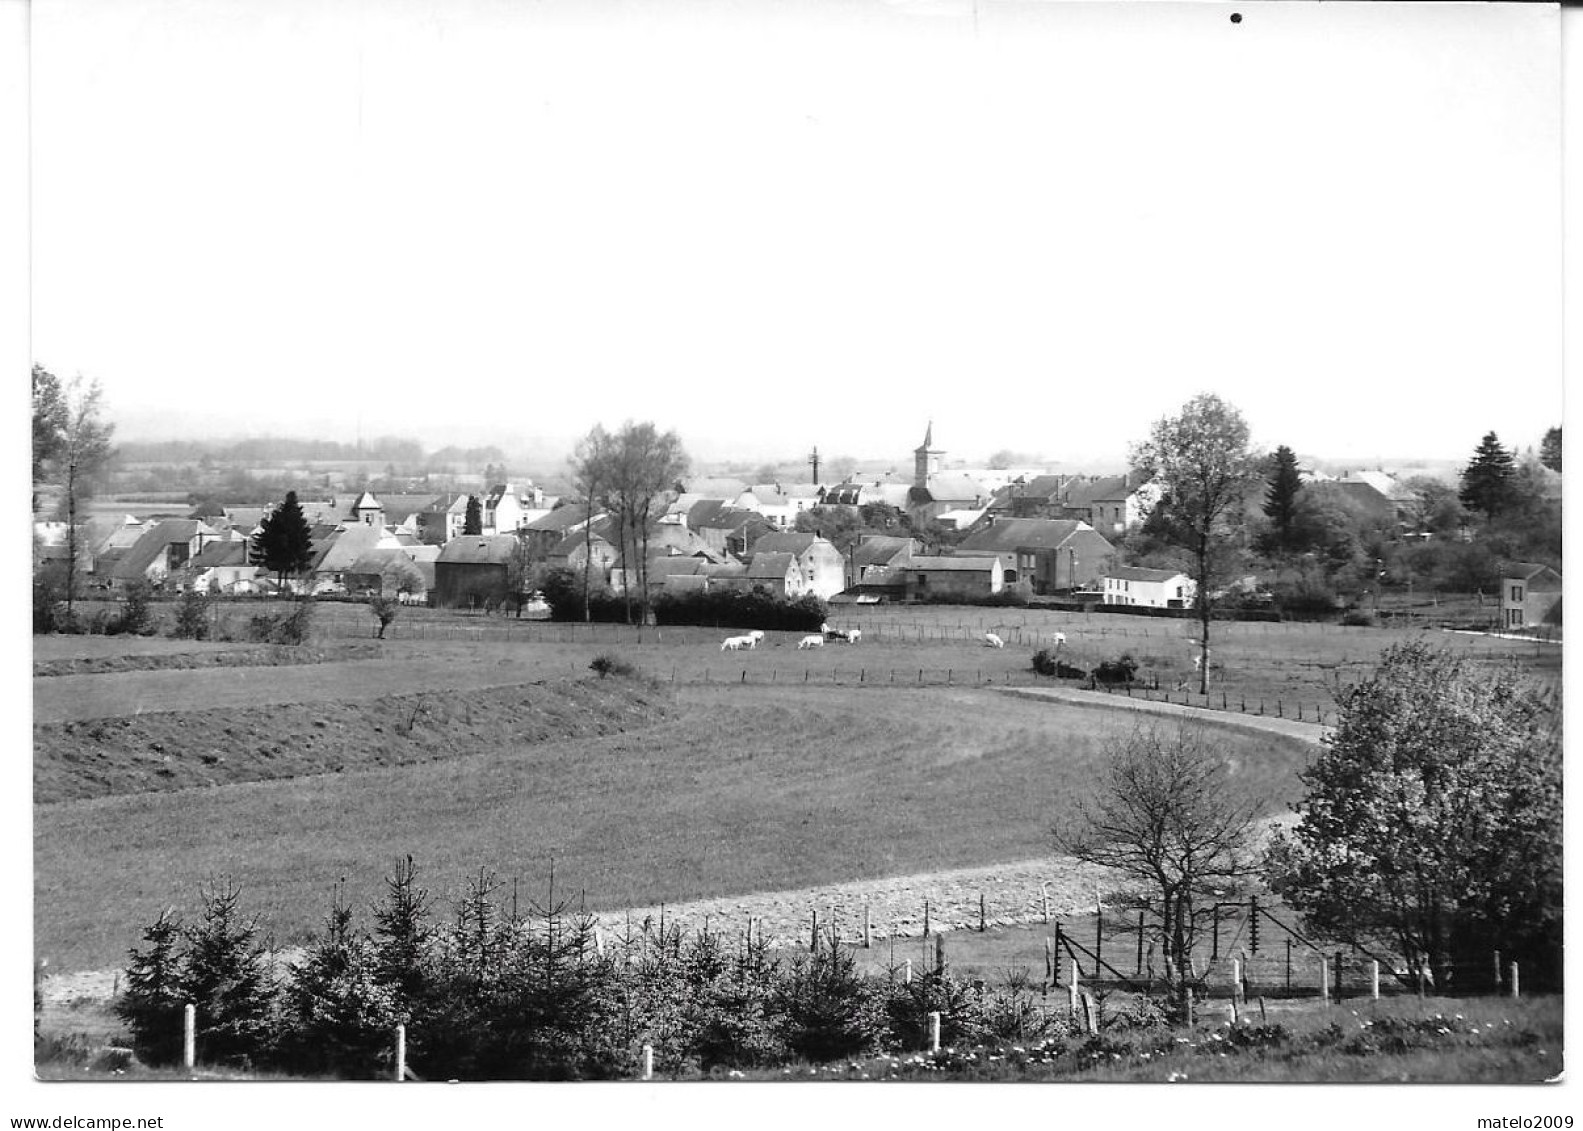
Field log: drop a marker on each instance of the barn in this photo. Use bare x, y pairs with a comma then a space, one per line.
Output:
471, 571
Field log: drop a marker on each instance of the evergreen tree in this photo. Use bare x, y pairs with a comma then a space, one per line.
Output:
154, 1001
473, 521
283, 542
228, 979
1280, 499
1550, 449
1489, 480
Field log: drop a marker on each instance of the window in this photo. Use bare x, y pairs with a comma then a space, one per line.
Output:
1517, 592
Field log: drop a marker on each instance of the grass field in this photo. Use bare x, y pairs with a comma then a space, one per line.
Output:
752, 788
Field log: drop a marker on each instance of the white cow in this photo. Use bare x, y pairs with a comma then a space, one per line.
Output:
854, 635
737, 643
993, 641
757, 634
811, 642
1060, 639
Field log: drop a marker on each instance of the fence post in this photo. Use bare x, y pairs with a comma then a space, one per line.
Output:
868, 942
925, 918
1374, 979
401, 1053
1324, 979
934, 1030
907, 972
1049, 961
1497, 972
1189, 1007
1236, 979
648, 1062
1072, 988
1515, 992
189, 1038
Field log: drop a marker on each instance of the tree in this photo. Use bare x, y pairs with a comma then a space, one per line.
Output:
1165, 813
154, 1000
591, 474
1550, 449
645, 464
473, 520
283, 542
1204, 466
1280, 499
226, 976
71, 448
1488, 479
385, 609
1431, 820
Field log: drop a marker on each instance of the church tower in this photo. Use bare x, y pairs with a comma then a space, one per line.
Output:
926, 459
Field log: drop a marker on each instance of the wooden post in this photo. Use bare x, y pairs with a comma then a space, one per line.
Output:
1262, 1017
925, 918
1516, 993
1374, 979
867, 939
1288, 967
934, 1030
813, 934
648, 1062
1049, 961
906, 976
980, 912
189, 1040
1324, 980
599, 940
1044, 896
1072, 987
1338, 975
939, 954
1090, 1013
401, 1053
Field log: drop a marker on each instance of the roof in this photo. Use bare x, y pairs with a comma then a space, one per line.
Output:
399, 508
478, 549
661, 568
572, 542
342, 548
451, 502
366, 501
956, 564
1010, 534
151, 546
221, 554
1523, 571
881, 549
1138, 573
771, 565
953, 486
788, 543
1042, 487
1087, 492
718, 488
561, 518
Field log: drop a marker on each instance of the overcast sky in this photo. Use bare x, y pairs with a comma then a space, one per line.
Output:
774, 225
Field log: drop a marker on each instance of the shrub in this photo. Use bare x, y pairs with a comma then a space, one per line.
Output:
607, 665
136, 617
225, 975
192, 616
824, 1010
1047, 662
49, 611
293, 627
1121, 670
1359, 618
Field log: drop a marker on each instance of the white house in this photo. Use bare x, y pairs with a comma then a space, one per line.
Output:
1154, 588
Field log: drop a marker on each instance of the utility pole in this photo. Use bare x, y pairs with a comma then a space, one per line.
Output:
813, 460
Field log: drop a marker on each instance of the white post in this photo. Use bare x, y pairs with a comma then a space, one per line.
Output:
1515, 992
1236, 979
189, 1041
1374, 979
401, 1053
648, 1062
1324, 980
934, 1031
599, 941
1077, 972
907, 973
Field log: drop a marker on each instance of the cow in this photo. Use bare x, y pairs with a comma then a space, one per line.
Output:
811, 642
993, 641
757, 634
737, 643
854, 635
1060, 639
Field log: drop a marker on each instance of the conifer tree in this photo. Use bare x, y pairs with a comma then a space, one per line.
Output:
283, 543
1280, 499
227, 978
154, 1001
1550, 449
473, 520
1489, 480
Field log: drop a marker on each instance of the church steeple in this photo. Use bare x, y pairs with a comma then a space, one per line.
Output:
925, 459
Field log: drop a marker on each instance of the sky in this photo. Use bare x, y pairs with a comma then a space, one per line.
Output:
773, 226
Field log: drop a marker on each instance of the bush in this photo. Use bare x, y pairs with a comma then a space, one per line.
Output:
136, 617
49, 611
192, 616
1047, 662
1121, 670
293, 627
607, 665
1359, 618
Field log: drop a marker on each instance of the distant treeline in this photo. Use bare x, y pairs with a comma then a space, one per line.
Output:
279, 449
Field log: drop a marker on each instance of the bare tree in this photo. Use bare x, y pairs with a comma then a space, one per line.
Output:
646, 466
591, 474
1202, 461
81, 451
1165, 813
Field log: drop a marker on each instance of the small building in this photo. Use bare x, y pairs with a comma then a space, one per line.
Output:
819, 563
473, 571
1153, 588
1530, 596
442, 520
1043, 555
223, 567
163, 550
937, 578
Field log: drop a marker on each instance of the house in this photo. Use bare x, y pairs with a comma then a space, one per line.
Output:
442, 520
878, 557
937, 578
502, 509
727, 530
780, 505
677, 574
1154, 588
1111, 504
335, 553
544, 533
402, 511
777, 572
935, 490
163, 550
223, 567
819, 563
1530, 595
367, 510
1042, 555
390, 572
574, 551
473, 571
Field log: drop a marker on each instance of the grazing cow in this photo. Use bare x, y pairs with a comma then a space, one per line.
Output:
1060, 639
993, 641
811, 642
737, 643
853, 636
757, 634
